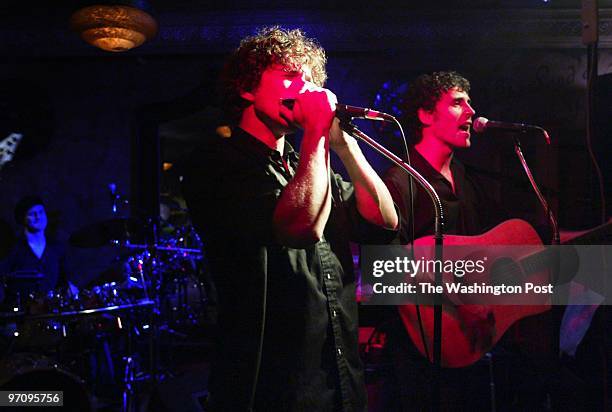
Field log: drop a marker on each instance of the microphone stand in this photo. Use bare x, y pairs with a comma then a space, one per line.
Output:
556, 256
549, 214
347, 125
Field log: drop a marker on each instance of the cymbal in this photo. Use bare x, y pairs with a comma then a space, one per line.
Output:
108, 231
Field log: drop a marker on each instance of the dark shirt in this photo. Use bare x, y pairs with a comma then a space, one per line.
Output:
310, 360
21, 264
470, 210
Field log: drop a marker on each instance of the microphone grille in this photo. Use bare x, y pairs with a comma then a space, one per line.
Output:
480, 124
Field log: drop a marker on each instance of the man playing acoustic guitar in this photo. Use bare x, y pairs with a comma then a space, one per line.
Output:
438, 113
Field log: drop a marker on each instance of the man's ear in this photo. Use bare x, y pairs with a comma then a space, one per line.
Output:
248, 96
426, 117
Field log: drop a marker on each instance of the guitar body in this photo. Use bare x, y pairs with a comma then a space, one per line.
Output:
470, 331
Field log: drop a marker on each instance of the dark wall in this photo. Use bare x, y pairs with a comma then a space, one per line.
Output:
87, 142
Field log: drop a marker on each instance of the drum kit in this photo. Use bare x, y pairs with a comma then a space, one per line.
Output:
160, 286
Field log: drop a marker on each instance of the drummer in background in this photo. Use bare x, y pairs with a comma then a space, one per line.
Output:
35, 264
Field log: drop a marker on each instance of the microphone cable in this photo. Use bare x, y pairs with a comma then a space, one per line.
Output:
411, 192
590, 100
264, 304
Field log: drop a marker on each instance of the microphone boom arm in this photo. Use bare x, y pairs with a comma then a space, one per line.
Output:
354, 131
351, 129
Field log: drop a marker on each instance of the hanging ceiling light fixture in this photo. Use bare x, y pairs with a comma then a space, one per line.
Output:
115, 27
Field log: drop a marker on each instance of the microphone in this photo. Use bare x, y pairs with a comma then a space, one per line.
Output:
344, 111
354, 112
482, 124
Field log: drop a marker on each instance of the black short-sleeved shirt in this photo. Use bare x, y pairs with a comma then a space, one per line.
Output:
22, 260
309, 359
467, 211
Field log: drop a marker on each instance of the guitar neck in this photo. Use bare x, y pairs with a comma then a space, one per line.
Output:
590, 236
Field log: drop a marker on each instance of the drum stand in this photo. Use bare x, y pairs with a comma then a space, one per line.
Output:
129, 401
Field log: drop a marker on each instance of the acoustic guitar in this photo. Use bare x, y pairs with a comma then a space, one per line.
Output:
469, 331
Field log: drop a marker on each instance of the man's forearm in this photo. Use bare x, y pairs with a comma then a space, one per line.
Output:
374, 201
304, 206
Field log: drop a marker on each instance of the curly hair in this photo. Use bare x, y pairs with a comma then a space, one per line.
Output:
271, 45
424, 92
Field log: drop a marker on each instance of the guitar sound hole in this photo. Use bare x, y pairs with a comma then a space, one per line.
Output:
505, 271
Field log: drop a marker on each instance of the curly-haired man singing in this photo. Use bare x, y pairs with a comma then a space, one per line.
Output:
277, 226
